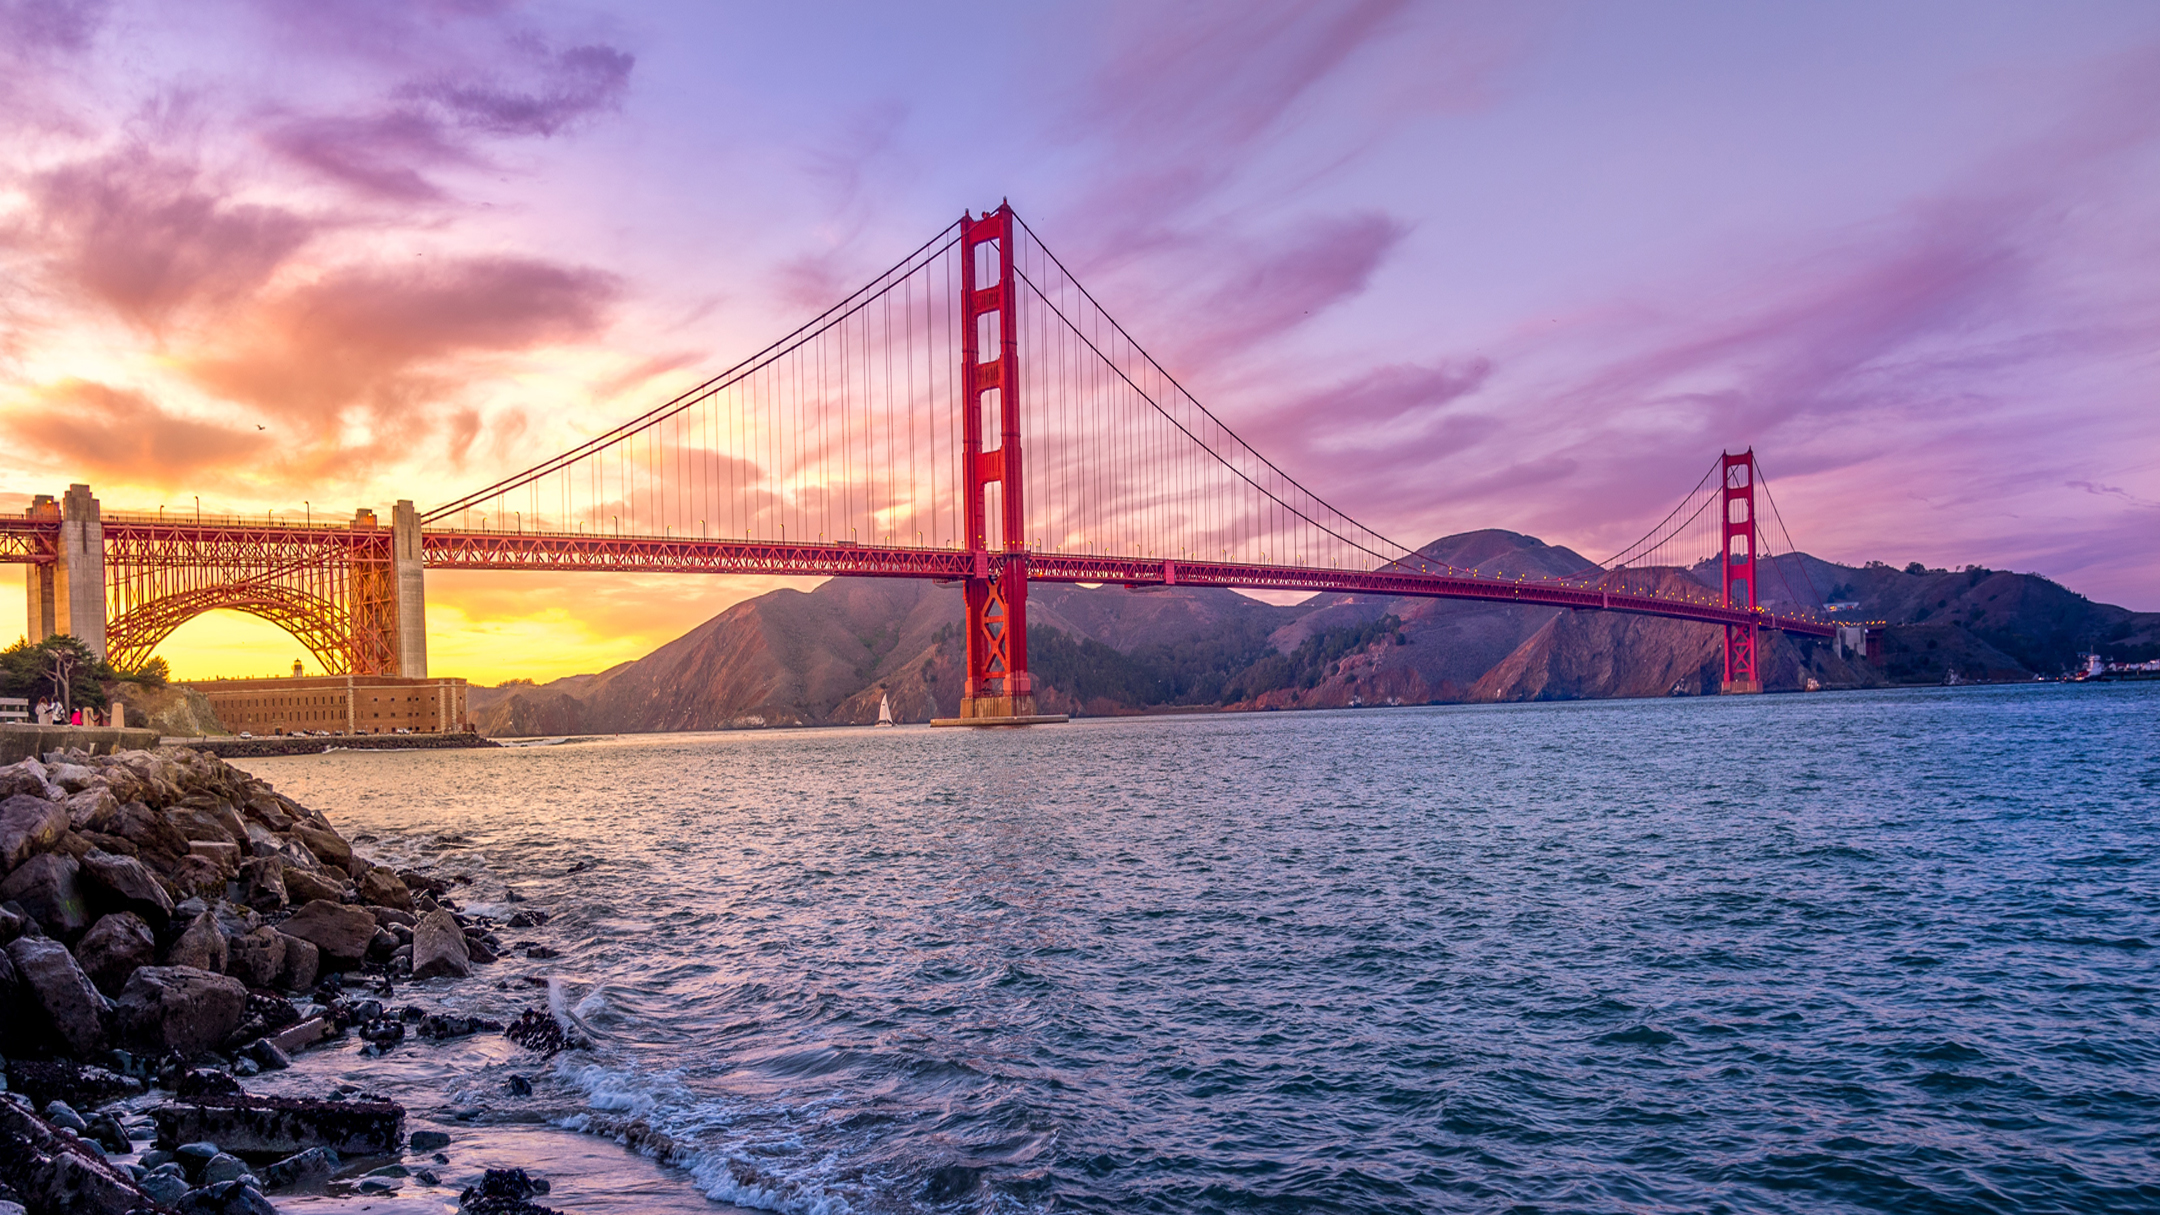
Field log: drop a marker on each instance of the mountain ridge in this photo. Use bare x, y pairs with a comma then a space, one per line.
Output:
828, 655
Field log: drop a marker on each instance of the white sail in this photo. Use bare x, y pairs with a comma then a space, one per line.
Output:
884, 710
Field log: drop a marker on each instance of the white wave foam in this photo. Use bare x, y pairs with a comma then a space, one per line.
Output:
637, 1111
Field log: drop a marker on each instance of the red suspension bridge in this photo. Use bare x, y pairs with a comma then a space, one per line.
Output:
972, 415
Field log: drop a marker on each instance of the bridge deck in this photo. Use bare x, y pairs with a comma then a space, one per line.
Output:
35, 540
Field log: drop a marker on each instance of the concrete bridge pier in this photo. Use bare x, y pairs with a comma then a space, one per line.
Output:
409, 587
68, 596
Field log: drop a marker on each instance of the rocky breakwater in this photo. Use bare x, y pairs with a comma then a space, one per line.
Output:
172, 922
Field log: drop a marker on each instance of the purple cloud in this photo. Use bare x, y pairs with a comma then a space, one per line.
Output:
148, 235
570, 86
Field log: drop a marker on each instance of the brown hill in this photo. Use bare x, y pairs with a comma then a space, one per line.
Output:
826, 656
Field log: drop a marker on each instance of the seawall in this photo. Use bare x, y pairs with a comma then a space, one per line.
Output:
247, 748
20, 742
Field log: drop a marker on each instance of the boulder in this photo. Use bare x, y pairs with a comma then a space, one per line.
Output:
382, 888
303, 963
72, 778
202, 946
232, 1197
262, 883
200, 817
304, 887
179, 1008
256, 958
28, 777
92, 809
341, 932
73, 1009
439, 947
300, 1035
261, 840
28, 825
328, 846
122, 883
53, 1172
263, 807
282, 1126
310, 1169
196, 875
49, 887
114, 948
222, 853
158, 841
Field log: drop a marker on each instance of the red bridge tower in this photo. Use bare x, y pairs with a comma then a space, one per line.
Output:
999, 690
1737, 557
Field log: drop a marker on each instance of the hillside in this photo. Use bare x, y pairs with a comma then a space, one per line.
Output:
793, 658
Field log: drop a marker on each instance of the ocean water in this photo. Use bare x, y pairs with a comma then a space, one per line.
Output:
1839, 952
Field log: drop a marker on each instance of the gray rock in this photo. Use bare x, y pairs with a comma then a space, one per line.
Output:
28, 826
164, 1187
202, 946
91, 809
72, 778
302, 1034
114, 948
193, 1156
28, 778
301, 1170
439, 947
256, 958
328, 846
208, 820
266, 1055
341, 932
304, 887
224, 1198
281, 1126
179, 1008
262, 883
222, 853
74, 1011
383, 888
160, 843
50, 1171
262, 841
125, 884
49, 887
63, 1115
428, 1141
107, 1131
303, 962
222, 1167
197, 876
13, 922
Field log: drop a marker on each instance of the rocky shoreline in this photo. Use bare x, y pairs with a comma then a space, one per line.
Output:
171, 926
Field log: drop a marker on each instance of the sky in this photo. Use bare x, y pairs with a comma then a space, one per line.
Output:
1452, 265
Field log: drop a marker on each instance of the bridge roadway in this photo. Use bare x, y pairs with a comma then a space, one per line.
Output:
24, 540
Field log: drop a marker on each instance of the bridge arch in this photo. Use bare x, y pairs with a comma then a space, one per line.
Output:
319, 624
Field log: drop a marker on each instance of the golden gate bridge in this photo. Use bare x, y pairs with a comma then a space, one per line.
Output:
973, 415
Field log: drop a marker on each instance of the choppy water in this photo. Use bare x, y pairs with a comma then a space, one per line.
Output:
1852, 952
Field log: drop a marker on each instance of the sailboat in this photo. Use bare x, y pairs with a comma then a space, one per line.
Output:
884, 710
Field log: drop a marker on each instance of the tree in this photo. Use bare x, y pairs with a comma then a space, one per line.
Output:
39, 670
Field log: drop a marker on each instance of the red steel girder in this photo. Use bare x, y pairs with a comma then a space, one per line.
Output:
460, 550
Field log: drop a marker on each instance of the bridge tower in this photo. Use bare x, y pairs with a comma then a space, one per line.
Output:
999, 690
1737, 556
